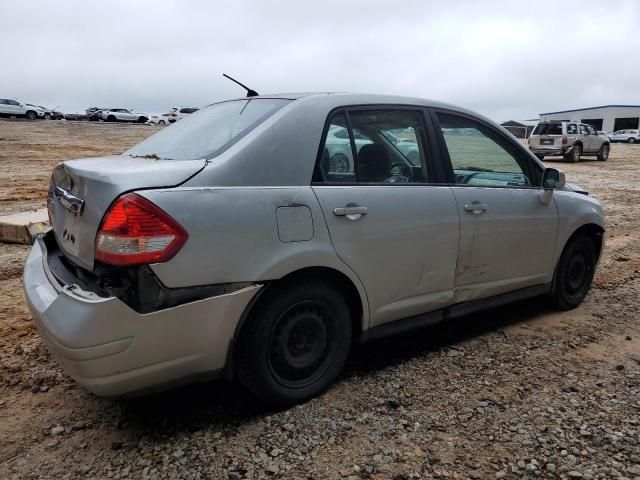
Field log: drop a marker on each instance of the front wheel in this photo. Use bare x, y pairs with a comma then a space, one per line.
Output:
574, 273
603, 154
31, 115
295, 342
631, 140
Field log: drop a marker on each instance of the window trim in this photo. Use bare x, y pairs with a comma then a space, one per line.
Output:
431, 152
529, 167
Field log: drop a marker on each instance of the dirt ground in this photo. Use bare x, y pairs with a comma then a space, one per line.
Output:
517, 392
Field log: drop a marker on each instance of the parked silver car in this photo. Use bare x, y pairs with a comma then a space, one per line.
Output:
629, 136
226, 246
571, 140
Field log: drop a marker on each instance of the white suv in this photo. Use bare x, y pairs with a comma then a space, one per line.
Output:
177, 113
630, 136
14, 108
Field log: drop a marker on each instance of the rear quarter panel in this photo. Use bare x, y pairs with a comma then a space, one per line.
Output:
234, 236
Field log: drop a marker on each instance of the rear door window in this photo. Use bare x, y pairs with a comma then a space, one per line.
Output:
583, 130
572, 129
387, 144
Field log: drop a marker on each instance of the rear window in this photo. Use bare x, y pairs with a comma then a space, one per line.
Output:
209, 131
548, 129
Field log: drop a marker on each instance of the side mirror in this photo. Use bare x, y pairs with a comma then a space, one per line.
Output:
553, 179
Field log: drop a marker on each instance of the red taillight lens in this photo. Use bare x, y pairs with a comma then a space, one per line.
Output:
135, 232
564, 140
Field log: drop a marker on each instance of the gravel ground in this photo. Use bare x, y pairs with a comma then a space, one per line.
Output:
517, 392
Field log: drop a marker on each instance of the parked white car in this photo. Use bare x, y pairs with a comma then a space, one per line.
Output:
158, 119
122, 115
630, 136
14, 108
42, 112
177, 113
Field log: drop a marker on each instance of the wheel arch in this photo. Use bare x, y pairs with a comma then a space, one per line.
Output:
593, 231
357, 303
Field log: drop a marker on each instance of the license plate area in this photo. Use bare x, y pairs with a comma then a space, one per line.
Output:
546, 141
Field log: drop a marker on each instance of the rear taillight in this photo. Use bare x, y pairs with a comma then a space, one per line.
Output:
564, 140
134, 231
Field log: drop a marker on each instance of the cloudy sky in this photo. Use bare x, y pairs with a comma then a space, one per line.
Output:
505, 59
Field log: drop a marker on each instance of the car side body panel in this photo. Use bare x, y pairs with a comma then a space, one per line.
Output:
255, 250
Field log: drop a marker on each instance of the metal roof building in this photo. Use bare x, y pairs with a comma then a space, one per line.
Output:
608, 118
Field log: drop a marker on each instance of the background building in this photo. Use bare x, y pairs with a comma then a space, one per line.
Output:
608, 118
520, 128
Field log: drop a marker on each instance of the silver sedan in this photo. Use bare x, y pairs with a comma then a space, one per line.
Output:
230, 245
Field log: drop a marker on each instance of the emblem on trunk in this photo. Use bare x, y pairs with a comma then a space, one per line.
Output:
68, 200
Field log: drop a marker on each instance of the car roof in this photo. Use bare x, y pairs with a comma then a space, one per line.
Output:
348, 99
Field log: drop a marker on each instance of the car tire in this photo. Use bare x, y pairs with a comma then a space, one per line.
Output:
603, 154
574, 273
540, 157
47, 116
142, 119
631, 140
31, 115
574, 154
161, 122
294, 343
111, 118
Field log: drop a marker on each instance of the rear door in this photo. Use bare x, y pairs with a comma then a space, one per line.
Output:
507, 235
388, 219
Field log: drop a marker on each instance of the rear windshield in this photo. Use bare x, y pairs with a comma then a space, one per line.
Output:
548, 129
209, 131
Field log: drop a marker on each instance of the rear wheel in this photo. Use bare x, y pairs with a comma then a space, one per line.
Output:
603, 154
540, 157
631, 140
47, 116
574, 273
111, 118
574, 155
295, 342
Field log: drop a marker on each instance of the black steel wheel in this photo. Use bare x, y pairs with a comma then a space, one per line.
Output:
295, 342
574, 273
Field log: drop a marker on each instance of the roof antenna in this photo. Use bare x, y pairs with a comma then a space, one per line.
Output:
250, 93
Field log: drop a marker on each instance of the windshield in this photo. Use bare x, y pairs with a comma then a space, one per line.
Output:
207, 132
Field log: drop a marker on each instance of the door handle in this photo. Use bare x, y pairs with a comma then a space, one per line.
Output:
476, 208
352, 213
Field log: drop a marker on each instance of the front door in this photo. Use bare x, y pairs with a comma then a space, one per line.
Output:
507, 235
387, 221
585, 137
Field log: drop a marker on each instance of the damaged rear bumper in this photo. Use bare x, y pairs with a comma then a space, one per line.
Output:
112, 350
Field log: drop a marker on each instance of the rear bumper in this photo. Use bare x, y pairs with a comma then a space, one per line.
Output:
551, 150
112, 350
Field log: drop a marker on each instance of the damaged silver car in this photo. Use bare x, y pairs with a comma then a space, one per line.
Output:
233, 245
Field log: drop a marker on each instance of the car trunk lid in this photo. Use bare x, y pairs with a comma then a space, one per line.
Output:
81, 192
